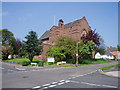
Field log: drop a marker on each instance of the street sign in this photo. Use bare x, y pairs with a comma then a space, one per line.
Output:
50, 60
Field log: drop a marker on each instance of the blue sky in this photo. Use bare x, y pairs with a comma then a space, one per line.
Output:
22, 17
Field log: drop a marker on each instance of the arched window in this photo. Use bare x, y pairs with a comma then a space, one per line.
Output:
84, 32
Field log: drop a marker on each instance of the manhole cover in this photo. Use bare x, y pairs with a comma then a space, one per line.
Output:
25, 76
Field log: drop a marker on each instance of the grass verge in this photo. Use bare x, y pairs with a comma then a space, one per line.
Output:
87, 64
108, 67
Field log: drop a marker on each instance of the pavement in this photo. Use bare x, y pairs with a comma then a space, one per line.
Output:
111, 72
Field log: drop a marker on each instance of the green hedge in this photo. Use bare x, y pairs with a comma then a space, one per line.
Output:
23, 61
89, 61
72, 61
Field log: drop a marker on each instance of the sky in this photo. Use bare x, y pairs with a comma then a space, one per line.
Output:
22, 17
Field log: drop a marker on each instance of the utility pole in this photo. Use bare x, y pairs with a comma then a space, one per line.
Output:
77, 53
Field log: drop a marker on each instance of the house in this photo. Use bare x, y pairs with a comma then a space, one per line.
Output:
106, 56
75, 29
97, 55
111, 53
118, 55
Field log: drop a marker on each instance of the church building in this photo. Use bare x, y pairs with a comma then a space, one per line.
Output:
75, 30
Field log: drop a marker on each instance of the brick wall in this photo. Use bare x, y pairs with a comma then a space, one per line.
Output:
74, 29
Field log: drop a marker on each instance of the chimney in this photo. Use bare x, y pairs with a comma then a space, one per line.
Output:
110, 46
61, 24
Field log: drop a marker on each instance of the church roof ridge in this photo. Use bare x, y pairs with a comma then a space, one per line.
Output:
70, 24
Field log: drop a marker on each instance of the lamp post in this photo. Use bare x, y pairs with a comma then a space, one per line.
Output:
77, 53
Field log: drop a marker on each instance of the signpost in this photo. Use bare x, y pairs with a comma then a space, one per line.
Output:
51, 59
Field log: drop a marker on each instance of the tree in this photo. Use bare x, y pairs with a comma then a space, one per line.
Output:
56, 52
85, 50
7, 39
17, 44
101, 51
97, 39
32, 46
22, 52
67, 45
6, 51
118, 47
91, 35
101, 48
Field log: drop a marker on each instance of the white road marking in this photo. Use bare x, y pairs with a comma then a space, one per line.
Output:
88, 73
46, 85
60, 83
61, 80
54, 82
110, 86
20, 68
75, 81
67, 81
1, 68
92, 84
73, 77
52, 85
80, 75
10, 70
84, 74
36, 87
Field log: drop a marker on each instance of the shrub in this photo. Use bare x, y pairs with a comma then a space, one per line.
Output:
84, 61
50, 63
37, 60
72, 61
25, 63
89, 61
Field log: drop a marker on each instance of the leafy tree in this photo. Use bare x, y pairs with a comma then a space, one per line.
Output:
32, 45
17, 44
6, 51
101, 51
56, 52
22, 52
67, 45
118, 47
91, 35
7, 38
85, 50
101, 48
96, 38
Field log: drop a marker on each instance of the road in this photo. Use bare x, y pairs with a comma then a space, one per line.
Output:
86, 76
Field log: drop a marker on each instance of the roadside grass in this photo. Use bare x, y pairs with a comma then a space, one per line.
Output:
91, 61
49, 63
94, 62
108, 67
26, 62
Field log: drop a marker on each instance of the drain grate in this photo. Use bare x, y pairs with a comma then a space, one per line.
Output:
25, 77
